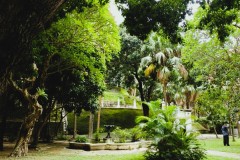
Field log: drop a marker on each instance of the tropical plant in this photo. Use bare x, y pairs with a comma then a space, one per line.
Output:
81, 139
121, 134
170, 139
137, 134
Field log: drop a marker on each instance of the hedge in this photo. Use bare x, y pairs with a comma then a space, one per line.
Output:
124, 118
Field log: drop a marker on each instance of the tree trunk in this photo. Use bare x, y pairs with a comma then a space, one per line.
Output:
145, 109
215, 131
2, 130
140, 89
99, 113
34, 112
75, 126
90, 127
38, 130
4, 113
21, 147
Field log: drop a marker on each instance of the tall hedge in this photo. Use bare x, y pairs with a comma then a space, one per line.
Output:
124, 118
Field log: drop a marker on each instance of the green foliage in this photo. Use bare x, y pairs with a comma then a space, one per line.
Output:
97, 137
121, 134
219, 17
81, 139
155, 15
42, 93
214, 65
170, 140
62, 137
124, 118
75, 50
137, 134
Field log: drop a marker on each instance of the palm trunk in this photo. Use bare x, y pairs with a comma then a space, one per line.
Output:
165, 93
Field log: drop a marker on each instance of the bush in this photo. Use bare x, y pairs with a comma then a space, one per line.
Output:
81, 139
97, 137
121, 134
170, 139
62, 137
137, 134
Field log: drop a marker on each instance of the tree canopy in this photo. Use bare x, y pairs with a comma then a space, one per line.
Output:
155, 15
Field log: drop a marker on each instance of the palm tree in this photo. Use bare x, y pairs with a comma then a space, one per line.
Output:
164, 65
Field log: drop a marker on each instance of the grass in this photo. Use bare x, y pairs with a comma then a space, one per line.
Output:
55, 152
217, 145
42, 156
217, 158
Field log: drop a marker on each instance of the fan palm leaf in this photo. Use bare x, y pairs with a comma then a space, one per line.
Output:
160, 58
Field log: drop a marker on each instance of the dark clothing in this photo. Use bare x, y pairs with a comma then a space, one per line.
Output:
226, 140
225, 135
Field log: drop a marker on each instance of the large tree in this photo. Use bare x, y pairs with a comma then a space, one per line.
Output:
155, 15
219, 16
89, 41
124, 68
215, 65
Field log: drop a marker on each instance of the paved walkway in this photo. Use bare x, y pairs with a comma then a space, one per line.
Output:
209, 136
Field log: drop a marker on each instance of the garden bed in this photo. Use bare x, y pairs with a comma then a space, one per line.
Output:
108, 146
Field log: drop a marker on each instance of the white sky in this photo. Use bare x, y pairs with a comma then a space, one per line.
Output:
115, 12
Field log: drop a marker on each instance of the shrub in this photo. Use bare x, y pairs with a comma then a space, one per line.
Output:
137, 134
81, 139
97, 137
62, 137
170, 139
121, 134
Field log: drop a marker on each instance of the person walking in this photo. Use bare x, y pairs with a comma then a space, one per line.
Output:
225, 135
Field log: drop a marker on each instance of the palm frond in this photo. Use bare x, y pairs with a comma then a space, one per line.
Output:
141, 119
160, 58
175, 61
145, 61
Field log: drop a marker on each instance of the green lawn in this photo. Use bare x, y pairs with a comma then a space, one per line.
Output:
217, 145
217, 158
52, 153
42, 156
